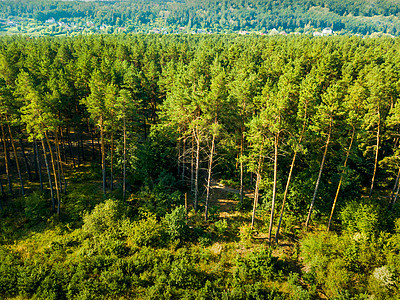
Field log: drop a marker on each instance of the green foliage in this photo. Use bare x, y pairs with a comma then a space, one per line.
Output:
146, 232
104, 217
221, 227
36, 208
8, 273
360, 218
176, 223
258, 265
297, 292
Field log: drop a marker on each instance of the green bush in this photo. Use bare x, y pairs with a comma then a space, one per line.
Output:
37, 208
257, 265
176, 223
8, 272
361, 218
145, 232
220, 227
105, 216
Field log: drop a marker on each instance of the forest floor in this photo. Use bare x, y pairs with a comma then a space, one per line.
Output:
222, 197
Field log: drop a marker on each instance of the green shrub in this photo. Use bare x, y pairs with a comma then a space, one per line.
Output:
105, 216
254, 291
145, 232
8, 272
257, 265
297, 292
176, 223
359, 217
37, 208
220, 227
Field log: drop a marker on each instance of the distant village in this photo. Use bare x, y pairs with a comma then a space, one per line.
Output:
53, 27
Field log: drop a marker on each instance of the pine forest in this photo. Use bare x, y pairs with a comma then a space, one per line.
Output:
137, 166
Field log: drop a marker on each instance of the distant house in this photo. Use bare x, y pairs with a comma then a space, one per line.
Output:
50, 21
317, 33
273, 32
327, 31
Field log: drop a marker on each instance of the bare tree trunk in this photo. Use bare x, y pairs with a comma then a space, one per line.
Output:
394, 188
60, 164
271, 220
38, 166
2, 195
6, 157
103, 155
256, 190
78, 148
81, 143
26, 162
49, 175
21, 181
395, 197
241, 164
341, 178
192, 166
62, 140
209, 175
54, 173
91, 138
320, 173
124, 175
71, 151
378, 137
196, 180
112, 162
183, 161
289, 179
179, 153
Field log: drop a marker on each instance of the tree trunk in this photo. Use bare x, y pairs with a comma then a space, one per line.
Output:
179, 153
196, 180
54, 173
64, 154
209, 175
378, 137
192, 167
103, 155
71, 150
60, 164
258, 180
241, 164
395, 186
183, 161
395, 197
6, 157
271, 220
21, 181
49, 175
320, 173
112, 162
341, 178
124, 175
81, 143
37, 163
288, 181
2, 195
26, 162
78, 148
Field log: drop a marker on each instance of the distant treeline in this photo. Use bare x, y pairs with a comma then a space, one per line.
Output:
363, 17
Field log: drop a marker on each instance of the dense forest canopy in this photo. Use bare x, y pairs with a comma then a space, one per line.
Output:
304, 130
344, 16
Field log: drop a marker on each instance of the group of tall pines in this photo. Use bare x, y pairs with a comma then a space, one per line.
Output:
307, 128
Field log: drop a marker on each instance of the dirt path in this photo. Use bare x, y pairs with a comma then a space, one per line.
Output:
222, 195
